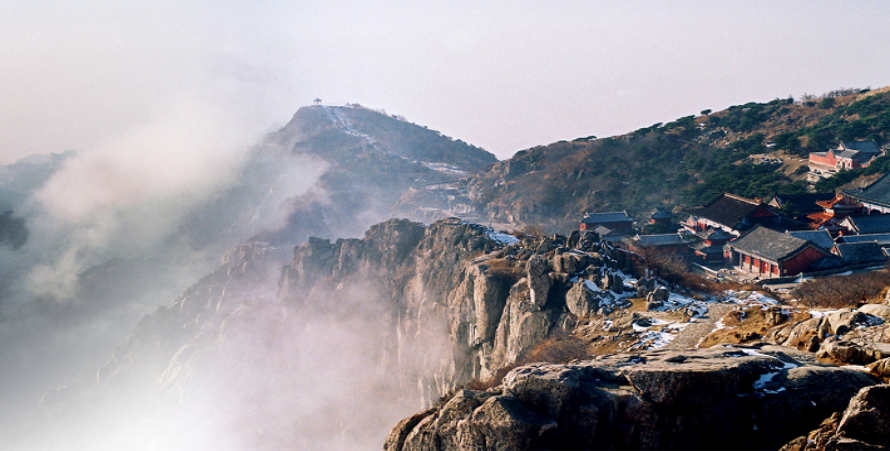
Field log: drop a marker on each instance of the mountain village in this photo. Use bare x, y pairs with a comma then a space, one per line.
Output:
786, 239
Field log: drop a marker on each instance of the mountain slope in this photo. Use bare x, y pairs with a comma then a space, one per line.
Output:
679, 164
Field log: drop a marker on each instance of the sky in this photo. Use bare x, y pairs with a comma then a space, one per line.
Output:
503, 75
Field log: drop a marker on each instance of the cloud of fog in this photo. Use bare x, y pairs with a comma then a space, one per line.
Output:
138, 183
326, 371
179, 154
134, 196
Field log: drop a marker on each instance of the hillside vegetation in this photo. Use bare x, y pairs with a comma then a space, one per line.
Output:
682, 163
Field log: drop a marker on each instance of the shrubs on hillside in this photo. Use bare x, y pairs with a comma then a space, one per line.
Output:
505, 269
843, 291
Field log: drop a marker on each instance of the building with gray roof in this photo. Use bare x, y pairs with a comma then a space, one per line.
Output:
867, 225
618, 221
861, 253
820, 238
875, 197
769, 253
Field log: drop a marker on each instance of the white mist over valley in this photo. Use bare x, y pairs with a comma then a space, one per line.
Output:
328, 226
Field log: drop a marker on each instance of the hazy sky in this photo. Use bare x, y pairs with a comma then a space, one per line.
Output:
504, 75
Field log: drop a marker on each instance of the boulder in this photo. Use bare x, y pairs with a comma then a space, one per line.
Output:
538, 281
574, 239
654, 305
774, 316
841, 322
863, 425
570, 263
645, 286
546, 246
613, 282
582, 301
867, 418
880, 310
880, 368
843, 351
659, 295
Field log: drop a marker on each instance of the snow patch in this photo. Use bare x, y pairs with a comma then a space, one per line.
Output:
444, 168
502, 238
656, 340
821, 313
592, 286
767, 379
750, 298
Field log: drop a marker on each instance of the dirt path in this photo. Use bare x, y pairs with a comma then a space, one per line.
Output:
691, 335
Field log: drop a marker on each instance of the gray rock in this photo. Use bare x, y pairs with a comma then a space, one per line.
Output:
867, 418
654, 305
660, 295
863, 425
538, 281
880, 310
701, 399
582, 301
546, 246
839, 323
645, 286
613, 282
574, 239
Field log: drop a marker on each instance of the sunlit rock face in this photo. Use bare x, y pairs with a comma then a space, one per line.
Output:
720, 398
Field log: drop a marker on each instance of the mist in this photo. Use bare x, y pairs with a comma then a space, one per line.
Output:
328, 369
109, 234
136, 152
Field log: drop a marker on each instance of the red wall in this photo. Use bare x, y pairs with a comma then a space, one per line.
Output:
762, 212
802, 261
828, 159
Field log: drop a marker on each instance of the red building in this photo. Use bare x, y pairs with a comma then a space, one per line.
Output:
730, 213
847, 155
768, 253
617, 221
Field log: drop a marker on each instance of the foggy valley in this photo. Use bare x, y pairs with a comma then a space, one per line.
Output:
498, 226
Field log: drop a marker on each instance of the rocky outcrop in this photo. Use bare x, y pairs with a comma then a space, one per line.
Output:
497, 297
845, 336
863, 425
721, 398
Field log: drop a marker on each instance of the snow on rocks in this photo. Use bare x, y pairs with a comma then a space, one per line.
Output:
501, 238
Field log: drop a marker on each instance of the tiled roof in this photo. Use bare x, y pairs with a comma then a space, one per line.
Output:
661, 214
804, 203
851, 154
878, 192
606, 218
820, 238
670, 239
727, 209
769, 243
715, 234
882, 239
861, 252
871, 224
868, 147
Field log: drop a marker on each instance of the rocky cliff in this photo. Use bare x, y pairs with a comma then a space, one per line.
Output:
719, 398
409, 312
